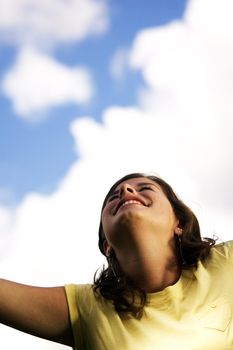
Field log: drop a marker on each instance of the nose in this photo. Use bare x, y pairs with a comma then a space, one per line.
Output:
127, 188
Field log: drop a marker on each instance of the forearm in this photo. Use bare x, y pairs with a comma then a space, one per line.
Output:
39, 311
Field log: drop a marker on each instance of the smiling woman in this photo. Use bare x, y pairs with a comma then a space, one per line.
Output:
162, 278
156, 195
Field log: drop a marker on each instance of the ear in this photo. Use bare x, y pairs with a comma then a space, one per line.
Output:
107, 248
178, 231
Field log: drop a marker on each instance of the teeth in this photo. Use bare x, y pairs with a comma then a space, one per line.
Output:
132, 201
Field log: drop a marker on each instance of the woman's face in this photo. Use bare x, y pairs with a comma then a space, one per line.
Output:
136, 208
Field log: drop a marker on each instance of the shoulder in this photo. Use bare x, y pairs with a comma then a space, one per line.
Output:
77, 293
83, 298
78, 288
223, 252
224, 248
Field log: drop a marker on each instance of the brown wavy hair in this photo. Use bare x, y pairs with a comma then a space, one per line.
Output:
114, 285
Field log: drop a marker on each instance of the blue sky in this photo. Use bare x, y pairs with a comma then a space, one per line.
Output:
95, 90
35, 156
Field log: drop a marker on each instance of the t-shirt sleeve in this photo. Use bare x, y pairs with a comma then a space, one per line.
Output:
74, 314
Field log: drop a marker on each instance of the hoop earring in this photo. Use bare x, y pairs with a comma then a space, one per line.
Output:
179, 245
109, 259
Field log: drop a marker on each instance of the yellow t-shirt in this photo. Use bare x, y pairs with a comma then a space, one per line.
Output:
193, 314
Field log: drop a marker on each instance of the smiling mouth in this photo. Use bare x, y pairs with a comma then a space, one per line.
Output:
131, 201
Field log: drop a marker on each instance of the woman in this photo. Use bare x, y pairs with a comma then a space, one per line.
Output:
164, 287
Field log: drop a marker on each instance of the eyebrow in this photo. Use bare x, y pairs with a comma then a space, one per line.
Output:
138, 185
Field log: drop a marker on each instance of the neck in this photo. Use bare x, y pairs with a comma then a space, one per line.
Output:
153, 271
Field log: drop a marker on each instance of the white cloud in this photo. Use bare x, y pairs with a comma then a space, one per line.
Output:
183, 131
51, 22
37, 82
188, 68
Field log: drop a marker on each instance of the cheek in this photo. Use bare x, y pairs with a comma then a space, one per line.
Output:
109, 226
167, 213
173, 220
105, 222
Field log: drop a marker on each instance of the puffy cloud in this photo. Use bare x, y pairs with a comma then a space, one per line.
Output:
187, 66
214, 26
38, 82
50, 22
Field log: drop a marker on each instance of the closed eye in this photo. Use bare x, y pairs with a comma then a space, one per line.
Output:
144, 188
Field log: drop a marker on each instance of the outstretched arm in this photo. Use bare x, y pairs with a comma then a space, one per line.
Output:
42, 312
